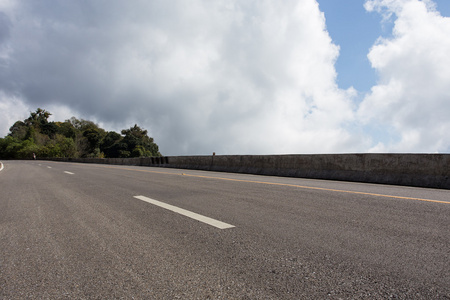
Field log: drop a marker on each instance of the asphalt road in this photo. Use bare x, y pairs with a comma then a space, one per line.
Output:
79, 231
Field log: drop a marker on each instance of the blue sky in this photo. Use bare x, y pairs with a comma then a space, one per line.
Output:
355, 30
236, 77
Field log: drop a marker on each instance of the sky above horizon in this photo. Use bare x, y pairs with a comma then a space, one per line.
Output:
236, 77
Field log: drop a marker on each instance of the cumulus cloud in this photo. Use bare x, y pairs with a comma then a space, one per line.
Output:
411, 101
12, 109
226, 76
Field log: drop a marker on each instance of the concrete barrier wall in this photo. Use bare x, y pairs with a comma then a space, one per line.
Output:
422, 170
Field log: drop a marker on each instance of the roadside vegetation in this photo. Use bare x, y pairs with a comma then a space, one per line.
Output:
73, 138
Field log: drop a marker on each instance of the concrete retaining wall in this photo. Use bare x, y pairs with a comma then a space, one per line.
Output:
422, 170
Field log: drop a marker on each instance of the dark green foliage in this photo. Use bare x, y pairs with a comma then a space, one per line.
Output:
111, 144
72, 138
66, 129
38, 118
139, 144
19, 130
49, 129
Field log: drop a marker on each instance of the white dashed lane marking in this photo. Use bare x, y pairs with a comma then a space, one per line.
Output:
187, 213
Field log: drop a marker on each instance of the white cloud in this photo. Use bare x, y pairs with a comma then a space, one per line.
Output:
202, 76
413, 94
226, 76
12, 109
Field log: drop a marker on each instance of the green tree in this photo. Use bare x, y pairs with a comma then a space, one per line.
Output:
27, 148
9, 147
138, 143
19, 130
50, 129
12, 148
73, 138
67, 129
111, 144
88, 137
38, 118
66, 146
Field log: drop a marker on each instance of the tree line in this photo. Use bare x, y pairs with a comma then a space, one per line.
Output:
73, 138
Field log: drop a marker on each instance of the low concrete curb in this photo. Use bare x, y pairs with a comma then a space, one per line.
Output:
421, 170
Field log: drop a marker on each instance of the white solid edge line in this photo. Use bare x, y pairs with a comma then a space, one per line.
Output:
187, 213
1, 166
67, 172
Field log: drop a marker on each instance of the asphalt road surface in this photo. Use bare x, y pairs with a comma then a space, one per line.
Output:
86, 231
